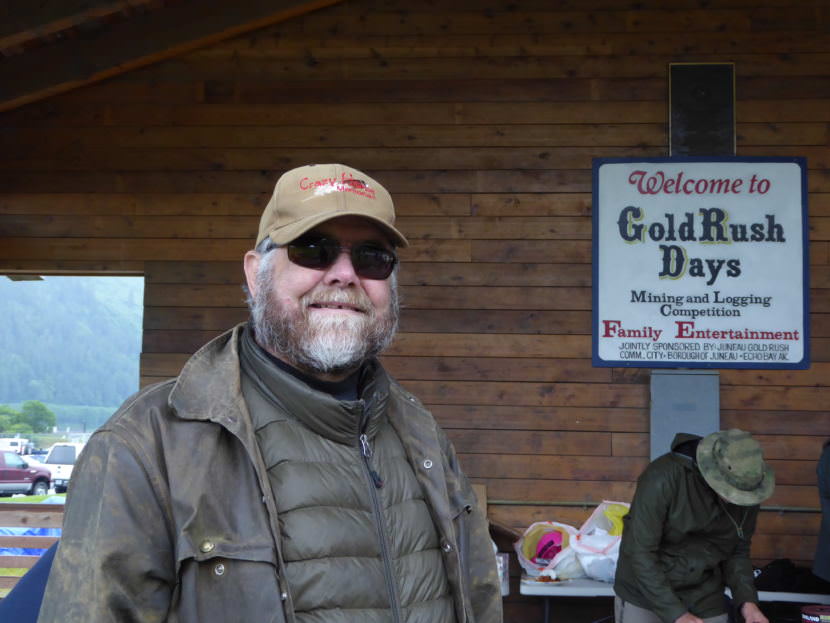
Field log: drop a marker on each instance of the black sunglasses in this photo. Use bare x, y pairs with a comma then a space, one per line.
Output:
370, 260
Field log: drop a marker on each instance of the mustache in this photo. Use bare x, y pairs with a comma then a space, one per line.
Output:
352, 298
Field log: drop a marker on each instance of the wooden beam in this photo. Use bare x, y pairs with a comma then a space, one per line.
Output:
140, 41
24, 21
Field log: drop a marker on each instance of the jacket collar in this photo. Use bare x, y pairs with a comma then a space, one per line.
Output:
342, 421
209, 388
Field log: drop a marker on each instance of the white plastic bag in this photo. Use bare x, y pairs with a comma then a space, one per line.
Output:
565, 565
533, 568
597, 543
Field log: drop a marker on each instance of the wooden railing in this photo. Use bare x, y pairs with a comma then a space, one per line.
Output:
25, 516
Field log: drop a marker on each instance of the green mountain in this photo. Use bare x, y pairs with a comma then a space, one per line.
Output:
70, 341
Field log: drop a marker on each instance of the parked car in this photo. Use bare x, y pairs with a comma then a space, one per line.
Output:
38, 454
16, 444
18, 476
60, 459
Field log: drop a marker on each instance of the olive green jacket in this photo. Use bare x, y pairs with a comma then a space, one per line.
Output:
171, 517
681, 544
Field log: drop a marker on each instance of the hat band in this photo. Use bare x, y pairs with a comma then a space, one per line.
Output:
751, 483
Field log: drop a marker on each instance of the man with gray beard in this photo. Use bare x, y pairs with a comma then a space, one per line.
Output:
284, 475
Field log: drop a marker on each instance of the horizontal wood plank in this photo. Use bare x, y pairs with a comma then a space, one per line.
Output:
350, 137
778, 422
632, 136
17, 516
818, 374
522, 478
528, 67
172, 249
495, 368
801, 398
376, 158
224, 227
530, 442
500, 417
528, 394
521, 516
19, 562
210, 204
526, 477
34, 542
342, 113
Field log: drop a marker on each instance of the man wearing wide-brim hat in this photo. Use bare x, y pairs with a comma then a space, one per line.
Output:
688, 534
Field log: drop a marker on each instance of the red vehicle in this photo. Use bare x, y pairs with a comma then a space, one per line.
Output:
18, 476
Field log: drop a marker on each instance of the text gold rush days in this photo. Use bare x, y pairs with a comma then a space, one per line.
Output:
711, 227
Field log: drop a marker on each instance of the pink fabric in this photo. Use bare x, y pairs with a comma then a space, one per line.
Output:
549, 545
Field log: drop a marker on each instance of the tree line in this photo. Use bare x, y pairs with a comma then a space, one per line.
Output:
33, 417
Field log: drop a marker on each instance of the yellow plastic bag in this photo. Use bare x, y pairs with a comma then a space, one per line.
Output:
614, 512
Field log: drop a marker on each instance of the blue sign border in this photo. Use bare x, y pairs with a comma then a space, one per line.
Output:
614, 363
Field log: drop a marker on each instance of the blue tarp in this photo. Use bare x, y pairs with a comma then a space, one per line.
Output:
26, 551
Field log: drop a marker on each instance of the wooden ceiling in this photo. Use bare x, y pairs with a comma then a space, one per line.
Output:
29, 24
52, 46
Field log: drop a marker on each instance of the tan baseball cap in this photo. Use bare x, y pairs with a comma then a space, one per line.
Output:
313, 194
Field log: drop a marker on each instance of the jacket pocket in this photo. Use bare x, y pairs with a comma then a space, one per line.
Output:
228, 582
684, 572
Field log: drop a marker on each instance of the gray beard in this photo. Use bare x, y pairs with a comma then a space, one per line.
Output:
322, 344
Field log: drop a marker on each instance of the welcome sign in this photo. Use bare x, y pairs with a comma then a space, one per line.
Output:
700, 263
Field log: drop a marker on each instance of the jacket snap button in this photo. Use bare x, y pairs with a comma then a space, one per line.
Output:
428, 464
283, 596
447, 548
219, 569
207, 546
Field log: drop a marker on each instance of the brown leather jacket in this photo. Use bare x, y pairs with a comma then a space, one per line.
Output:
171, 517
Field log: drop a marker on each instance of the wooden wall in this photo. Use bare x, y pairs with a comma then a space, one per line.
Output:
482, 120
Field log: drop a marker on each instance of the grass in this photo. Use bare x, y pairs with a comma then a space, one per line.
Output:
29, 499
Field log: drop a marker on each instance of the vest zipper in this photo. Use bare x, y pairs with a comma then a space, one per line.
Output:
366, 450
374, 478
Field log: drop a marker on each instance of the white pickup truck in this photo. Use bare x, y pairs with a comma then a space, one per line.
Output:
60, 460
15, 444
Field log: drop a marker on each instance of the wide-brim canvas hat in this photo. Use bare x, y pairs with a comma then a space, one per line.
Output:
732, 464
310, 195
